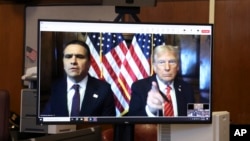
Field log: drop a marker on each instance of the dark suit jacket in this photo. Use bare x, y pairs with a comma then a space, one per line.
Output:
103, 105
140, 89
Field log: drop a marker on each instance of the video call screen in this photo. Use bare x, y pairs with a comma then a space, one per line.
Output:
120, 55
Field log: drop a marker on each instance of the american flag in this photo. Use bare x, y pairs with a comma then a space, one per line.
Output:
137, 63
31, 53
108, 51
120, 66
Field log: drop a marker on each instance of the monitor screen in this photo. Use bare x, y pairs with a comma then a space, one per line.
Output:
124, 70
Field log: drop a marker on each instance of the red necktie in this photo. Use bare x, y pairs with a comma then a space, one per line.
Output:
168, 106
75, 109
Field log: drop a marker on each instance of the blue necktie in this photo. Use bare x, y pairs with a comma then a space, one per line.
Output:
75, 109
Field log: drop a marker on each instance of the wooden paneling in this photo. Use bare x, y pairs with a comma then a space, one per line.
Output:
54, 2
231, 59
11, 51
231, 65
176, 12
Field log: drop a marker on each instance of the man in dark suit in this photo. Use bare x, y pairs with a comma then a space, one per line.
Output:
79, 94
148, 97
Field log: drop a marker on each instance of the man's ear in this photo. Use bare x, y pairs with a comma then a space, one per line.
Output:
154, 67
178, 67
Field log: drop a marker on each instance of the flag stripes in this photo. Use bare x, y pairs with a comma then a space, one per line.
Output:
31, 53
114, 62
108, 52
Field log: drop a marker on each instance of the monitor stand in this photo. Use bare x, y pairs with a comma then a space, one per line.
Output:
124, 132
122, 11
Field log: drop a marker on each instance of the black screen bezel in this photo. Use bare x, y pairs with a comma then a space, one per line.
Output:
126, 120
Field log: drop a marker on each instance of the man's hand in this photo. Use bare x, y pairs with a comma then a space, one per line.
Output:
154, 99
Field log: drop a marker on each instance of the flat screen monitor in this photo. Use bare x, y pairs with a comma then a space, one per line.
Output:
121, 55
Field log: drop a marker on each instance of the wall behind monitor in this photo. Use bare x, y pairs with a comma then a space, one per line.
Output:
33, 13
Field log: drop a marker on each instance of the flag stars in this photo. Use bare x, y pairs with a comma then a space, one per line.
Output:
145, 41
106, 41
159, 40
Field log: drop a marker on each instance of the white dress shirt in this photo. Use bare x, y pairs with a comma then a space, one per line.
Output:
70, 91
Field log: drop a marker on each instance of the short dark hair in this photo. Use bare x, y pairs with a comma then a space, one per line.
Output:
81, 43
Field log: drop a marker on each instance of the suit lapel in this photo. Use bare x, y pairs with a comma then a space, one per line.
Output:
62, 93
179, 97
88, 102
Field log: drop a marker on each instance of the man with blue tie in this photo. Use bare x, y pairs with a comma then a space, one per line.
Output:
161, 94
79, 94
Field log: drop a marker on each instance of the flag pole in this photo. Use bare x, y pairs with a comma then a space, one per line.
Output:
125, 90
100, 54
151, 55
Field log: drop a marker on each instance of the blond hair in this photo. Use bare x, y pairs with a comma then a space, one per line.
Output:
161, 48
